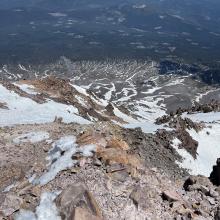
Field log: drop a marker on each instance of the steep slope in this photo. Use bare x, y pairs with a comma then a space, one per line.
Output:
55, 133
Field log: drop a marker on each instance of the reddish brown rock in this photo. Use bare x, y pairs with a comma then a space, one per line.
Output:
90, 137
113, 155
118, 144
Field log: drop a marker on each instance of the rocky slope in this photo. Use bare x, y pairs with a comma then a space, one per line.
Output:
80, 149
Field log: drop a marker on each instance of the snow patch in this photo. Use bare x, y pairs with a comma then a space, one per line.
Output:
58, 160
207, 153
47, 209
108, 94
32, 137
60, 157
23, 110
204, 117
87, 150
26, 88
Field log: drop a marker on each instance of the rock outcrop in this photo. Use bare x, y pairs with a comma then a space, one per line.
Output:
215, 174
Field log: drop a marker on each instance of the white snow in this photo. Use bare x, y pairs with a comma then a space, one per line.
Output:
108, 94
80, 89
208, 139
204, 117
32, 137
8, 188
60, 157
152, 90
46, 210
145, 120
146, 126
25, 215
81, 101
125, 91
23, 110
26, 88
208, 151
87, 150
123, 116
57, 160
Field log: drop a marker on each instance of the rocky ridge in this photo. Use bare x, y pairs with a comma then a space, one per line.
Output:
98, 169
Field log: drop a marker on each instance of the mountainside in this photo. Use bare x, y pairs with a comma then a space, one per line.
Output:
122, 138
109, 110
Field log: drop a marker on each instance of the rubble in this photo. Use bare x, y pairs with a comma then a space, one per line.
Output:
111, 172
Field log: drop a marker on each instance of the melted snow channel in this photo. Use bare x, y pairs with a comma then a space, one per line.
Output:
26, 111
46, 210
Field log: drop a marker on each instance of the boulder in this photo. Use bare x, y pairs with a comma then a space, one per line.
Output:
215, 174
91, 137
144, 197
217, 214
9, 203
77, 203
171, 196
112, 155
118, 144
200, 183
84, 214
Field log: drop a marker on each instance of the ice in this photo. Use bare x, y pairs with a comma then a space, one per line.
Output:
47, 209
23, 110
32, 137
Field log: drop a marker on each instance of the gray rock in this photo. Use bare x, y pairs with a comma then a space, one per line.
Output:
144, 197
171, 196
9, 203
213, 193
217, 214
77, 196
